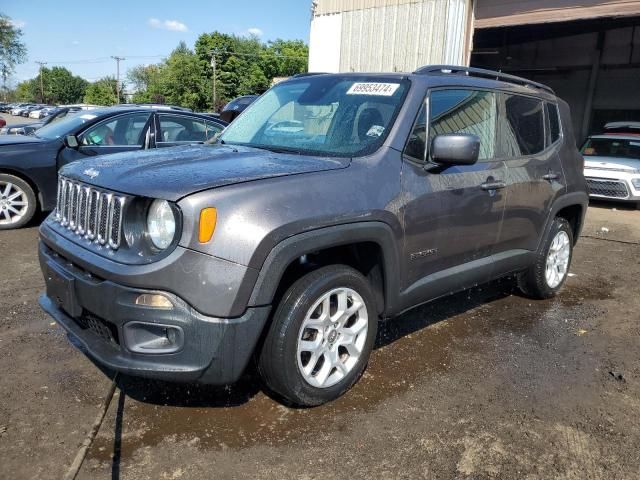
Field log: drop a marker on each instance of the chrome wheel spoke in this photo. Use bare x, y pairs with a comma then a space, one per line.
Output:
13, 203
557, 264
332, 337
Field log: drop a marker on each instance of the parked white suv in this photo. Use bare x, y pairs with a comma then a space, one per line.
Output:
612, 163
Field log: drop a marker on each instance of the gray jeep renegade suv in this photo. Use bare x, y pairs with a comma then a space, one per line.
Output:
331, 202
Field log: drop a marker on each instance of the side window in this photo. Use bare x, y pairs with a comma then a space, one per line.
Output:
416, 143
465, 111
554, 122
125, 130
179, 128
522, 126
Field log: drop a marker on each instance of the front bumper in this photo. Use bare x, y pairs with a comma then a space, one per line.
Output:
99, 313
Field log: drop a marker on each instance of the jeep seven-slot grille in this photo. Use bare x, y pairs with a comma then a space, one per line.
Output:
607, 188
89, 212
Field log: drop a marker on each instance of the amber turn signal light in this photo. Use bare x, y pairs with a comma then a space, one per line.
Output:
208, 217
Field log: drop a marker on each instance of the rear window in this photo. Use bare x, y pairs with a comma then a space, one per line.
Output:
554, 122
522, 131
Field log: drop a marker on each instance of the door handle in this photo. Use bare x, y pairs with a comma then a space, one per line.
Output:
494, 185
551, 176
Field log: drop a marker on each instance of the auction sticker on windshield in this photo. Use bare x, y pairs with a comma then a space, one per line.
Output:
373, 88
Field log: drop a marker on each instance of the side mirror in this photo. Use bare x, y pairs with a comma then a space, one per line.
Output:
71, 141
455, 149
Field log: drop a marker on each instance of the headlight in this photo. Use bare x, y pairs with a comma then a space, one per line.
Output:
161, 224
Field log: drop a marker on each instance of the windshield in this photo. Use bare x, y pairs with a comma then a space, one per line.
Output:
333, 115
612, 147
63, 127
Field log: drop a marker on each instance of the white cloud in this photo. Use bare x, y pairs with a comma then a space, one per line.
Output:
18, 23
172, 25
255, 31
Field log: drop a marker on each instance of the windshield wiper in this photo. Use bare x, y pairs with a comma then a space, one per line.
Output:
275, 149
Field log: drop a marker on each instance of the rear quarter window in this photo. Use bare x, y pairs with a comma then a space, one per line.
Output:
554, 122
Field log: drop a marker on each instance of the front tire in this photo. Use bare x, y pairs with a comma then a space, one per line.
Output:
547, 275
321, 337
17, 202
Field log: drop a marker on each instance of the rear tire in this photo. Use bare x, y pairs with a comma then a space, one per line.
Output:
547, 275
321, 337
17, 202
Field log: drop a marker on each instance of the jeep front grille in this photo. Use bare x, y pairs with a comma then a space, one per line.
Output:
607, 188
89, 212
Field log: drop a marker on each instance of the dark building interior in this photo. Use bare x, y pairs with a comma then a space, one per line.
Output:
592, 64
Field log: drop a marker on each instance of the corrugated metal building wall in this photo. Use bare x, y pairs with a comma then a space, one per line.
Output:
387, 35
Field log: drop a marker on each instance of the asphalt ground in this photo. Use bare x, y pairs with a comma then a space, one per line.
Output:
484, 384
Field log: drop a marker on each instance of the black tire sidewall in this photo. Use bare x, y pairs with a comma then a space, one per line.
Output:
284, 376
31, 199
540, 279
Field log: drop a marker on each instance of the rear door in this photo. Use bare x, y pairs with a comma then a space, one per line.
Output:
177, 129
453, 214
529, 141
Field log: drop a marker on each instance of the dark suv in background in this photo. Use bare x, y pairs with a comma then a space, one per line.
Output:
334, 201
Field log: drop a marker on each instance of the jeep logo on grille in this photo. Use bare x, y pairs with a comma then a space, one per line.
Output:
91, 172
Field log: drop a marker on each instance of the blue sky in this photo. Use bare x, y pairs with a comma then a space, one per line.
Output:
80, 34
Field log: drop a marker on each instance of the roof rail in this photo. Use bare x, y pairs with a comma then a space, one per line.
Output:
481, 73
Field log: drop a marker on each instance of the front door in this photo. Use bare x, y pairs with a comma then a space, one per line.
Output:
453, 215
123, 133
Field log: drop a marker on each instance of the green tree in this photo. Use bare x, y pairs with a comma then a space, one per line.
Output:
101, 92
182, 79
243, 66
61, 86
146, 83
26, 91
12, 49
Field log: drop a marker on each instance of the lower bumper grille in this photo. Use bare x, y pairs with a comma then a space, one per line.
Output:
607, 188
103, 329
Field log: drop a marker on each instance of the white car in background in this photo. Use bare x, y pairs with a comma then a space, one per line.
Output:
612, 163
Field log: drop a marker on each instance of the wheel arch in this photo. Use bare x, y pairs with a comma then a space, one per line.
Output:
571, 206
370, 247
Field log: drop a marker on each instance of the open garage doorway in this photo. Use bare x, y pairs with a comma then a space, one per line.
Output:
592, 64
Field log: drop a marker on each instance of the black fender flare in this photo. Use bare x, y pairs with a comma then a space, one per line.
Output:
292, 248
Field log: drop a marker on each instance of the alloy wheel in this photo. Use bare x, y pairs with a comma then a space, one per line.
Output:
13, 203
332, 337
558, 259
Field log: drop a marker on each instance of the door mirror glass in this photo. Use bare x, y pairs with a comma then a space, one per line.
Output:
455, 149
71, 141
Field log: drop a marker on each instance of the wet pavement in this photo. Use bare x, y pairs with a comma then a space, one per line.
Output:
483, 384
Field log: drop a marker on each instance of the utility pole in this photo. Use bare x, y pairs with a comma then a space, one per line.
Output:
118, 60
42, 64
213, 65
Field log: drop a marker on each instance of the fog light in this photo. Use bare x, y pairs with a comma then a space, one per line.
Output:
153, 300
152, 338
636, 183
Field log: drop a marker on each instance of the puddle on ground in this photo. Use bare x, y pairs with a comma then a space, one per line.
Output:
409, 349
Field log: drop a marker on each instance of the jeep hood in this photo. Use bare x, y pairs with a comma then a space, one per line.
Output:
175, 172
612, 163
